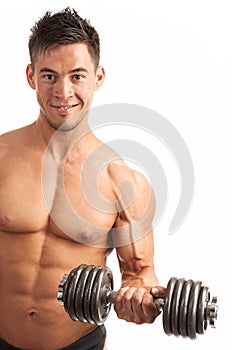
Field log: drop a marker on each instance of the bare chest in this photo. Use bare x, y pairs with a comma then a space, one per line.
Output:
53, 198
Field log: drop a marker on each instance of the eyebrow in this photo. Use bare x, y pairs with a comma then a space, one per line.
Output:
76, 70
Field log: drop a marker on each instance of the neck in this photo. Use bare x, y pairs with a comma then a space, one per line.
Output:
59, 142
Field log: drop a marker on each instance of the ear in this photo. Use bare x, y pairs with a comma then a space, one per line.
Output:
100, 77
30, 76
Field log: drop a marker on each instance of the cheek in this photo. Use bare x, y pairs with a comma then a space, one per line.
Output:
40, 97
41, 103
43, 97
43, 92
85, 92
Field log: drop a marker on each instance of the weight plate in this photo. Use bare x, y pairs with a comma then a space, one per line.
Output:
204, 297
168, 305
71, 294
192, 309
79, 293
100, 306
175, 307
66, 289
87, 294
183, 308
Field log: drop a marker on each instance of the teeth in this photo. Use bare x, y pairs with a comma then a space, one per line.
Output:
64, 107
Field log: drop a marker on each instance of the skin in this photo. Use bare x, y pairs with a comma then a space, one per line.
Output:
39, 240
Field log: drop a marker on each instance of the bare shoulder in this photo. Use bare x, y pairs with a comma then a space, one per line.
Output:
119, 172
14, 136
14, 143
129, 187
113, 168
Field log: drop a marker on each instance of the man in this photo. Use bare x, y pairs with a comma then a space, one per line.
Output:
67, 199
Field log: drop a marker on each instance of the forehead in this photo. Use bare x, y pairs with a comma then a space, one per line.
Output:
66, 57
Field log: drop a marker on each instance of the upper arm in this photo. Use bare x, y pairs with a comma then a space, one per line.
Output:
132, 232
135, 207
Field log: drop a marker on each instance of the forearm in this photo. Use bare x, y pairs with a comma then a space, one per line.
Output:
144, 277
136, 263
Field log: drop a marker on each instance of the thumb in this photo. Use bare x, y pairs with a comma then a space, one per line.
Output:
158, 291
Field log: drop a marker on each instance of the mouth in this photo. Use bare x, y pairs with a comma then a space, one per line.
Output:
64, 109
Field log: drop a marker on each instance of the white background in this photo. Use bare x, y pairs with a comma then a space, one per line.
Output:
179, 59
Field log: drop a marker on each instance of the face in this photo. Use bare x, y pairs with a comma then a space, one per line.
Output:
65, 79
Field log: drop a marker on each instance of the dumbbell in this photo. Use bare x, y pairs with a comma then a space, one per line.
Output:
87, 295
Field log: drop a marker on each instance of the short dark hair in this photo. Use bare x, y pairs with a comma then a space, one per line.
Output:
63, 28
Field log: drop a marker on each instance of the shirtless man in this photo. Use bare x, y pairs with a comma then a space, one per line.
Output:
47, 224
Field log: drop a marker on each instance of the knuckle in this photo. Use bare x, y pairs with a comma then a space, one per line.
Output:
137, 320
136, 299
150, 320
146, 303
126, 298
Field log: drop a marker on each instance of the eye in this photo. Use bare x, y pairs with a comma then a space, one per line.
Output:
49, 77
78, 77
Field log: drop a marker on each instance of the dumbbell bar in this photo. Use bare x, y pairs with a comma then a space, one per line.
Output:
87, 295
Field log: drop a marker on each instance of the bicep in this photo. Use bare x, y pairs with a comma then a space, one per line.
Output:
136, 208
132, 232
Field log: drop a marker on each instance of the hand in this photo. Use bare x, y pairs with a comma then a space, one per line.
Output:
136, 304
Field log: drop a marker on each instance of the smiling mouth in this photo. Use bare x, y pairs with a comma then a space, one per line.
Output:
64, 109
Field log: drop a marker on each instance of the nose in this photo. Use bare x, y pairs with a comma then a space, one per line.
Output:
63, 89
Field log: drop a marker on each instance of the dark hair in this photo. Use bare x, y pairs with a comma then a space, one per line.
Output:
63, 28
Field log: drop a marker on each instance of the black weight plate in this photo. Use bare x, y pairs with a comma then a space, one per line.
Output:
79, 294
175, 307
71, 294
183, 308
102, 295
168, 305
204, 297
66, 289
87, 294
192, 309
99, 306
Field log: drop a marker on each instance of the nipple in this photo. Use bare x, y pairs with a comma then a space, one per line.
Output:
86, 237
4, 221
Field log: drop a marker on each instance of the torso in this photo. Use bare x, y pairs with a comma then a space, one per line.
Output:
44, 233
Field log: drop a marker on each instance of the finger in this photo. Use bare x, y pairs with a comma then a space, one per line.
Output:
131, 305
123, 305
137, 308
158, 291
119, 295
144, 309
150, 310
118, 301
